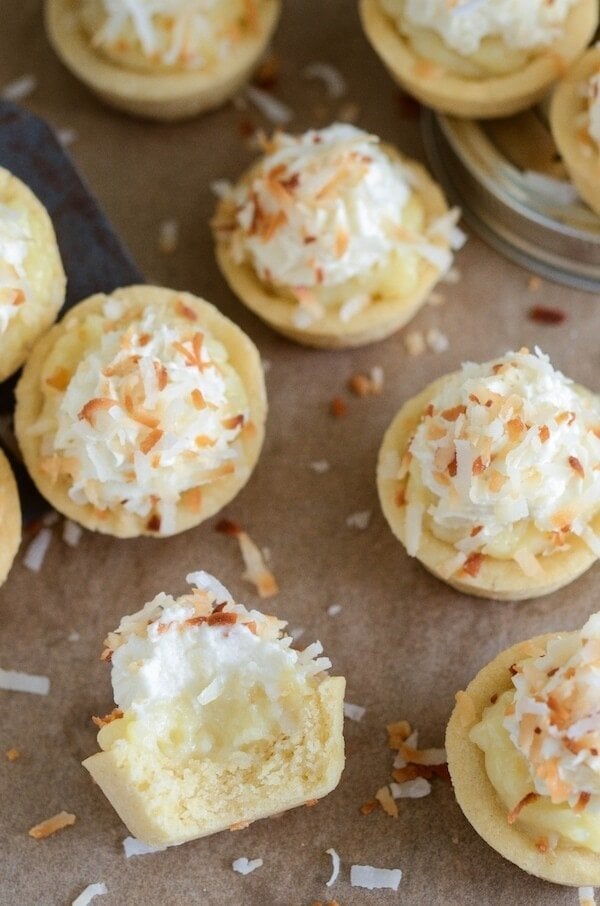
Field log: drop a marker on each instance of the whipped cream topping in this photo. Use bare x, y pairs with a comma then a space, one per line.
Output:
179, 33
555, 721
322, 208
504, 445
15, 239
152, 411
190, 651
593, 93
464, 24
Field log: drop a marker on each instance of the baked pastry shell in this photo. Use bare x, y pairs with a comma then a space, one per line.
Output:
164, 95
130, 803
45, 274
500, 580
479, 98
378, 320
10, 518
242, 356
477, 797
566, 105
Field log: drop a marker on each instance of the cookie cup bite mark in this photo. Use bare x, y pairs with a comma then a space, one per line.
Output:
497, 579
580, 154
380, 318
164, 95
10, 517
489, 97
479, 800
44, 276
32, 393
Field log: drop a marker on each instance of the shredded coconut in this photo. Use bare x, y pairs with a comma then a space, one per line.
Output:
509, 455
19, 89
271, 107
320, 466
375, 878
15, 681
354, 712
334, 609
15, 240
586, 896
168, 236
359, 520
87, 895
411, 789
332, 78
335, 867
135, 847
245, 866
71, 533
37, 550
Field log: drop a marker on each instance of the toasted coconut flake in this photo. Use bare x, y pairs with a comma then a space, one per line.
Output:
411, 789
71, 533
320, 466
245, 866
19, 89
168, 236
37, 550
271, 107
239, 825
542, 314
334, 81
338, 407
359, 520
134, 847
88, 893
51, 825
371, 878
256, 569
586, 896
398, 733
386, 800
335, 866
13, 754
354, 712
115, 714
423, 756
14, 681
368, 807
516, 811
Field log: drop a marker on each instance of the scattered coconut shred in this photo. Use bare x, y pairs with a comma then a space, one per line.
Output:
256, 569
168, 236
359, 520
586, 896
332, 78
71, 533
134, 847
19, 89
354, 712
271, 107
245, 866
413, 769
15, 681
92, 890
375, 878
51, 825
37, 550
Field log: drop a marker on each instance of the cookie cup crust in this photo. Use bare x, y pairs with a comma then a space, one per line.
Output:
144, 820
243, 356
477, 797
10, 517
500, 580
378, 320
45, 274
566, 105
481, 98
161, 96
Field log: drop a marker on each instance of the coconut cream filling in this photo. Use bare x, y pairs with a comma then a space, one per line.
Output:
479, 38
15, 240
168, 34
542, 739
203, 677
152, 411
329, 219
505, 462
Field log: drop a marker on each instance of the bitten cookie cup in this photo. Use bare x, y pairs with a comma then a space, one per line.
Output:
142, 412
10, 518
32, 279
482, 84
219, 721
494, 782
480, 477
334, 239
167, 65
575, 124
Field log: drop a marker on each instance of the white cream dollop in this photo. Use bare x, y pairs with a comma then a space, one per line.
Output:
556, 720
15, 239
152, 411
464, 24
510, 443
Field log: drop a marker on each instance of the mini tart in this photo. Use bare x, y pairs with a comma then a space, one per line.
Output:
163, 95
45, 382
495, 578
379, 319
10, 517
476, 795
41, 289
580, 153
478, 98
246, 729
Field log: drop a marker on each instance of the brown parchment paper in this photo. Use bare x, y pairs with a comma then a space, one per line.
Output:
404, 641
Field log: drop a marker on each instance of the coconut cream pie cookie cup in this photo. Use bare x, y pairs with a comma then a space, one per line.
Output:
491, 478
523, 748
142, 412
32, 279
333, 238
162, 59
478, 58
575, 123
218, 720
10, 517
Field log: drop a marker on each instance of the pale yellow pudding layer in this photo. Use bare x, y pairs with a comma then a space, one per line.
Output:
507, 770
159, 93
10, 517
44, 275
569, 862
495, 81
